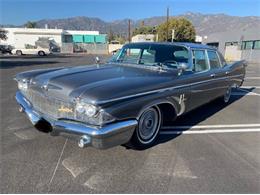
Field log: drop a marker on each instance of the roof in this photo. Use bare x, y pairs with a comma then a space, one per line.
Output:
185, 44
81, 32
50, 31
34, 31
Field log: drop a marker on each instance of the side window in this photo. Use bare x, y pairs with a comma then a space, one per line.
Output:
199, 60
213, 60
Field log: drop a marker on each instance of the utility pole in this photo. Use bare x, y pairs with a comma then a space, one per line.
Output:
129, 31
167, 24
173, 34
111, 35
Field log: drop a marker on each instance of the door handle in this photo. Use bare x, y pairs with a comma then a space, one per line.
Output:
212, 75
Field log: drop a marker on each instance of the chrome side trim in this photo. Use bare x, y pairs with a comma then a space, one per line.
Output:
165, 89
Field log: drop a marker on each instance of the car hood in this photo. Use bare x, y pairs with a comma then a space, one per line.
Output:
99, 83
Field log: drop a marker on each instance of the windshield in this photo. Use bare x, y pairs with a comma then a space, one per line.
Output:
152, 55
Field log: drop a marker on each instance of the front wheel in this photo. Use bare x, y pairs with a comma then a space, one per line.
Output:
147, 129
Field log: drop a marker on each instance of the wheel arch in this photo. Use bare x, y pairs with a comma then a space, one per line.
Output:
41, 51
18, 51
167, 108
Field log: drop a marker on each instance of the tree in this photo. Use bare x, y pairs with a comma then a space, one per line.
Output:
184, 31
3, 34
143, 30
121, 39
30, 24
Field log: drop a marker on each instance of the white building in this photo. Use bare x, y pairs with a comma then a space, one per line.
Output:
19, 37
198, 39
237, 44
143, 38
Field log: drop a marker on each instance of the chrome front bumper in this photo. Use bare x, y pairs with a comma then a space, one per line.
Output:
99, 137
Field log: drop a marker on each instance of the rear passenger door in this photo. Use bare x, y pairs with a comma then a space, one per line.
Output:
218, 74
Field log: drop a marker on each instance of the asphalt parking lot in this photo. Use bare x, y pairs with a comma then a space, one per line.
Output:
218, 151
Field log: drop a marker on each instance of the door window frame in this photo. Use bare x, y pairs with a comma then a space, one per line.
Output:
220, 63
206, 60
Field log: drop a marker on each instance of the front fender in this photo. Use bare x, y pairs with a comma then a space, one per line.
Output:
132, 109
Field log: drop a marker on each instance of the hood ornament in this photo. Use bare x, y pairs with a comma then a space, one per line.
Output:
45, 87
65, 109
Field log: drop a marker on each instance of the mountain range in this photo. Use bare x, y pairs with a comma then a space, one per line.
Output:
204, 23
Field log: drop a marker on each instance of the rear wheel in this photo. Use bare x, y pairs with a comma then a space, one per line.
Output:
147, 129
41, 53
19, 52
227, 95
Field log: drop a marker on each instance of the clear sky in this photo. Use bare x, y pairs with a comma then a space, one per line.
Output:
19, 11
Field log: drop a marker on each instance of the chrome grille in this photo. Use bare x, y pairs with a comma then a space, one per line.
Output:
49, 106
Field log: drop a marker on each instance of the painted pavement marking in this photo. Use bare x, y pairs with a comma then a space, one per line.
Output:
248, 130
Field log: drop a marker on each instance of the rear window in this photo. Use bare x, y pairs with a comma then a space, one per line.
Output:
222, 59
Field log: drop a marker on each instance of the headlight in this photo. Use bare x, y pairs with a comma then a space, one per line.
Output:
23, 84
90, 110
87, 109
90, 114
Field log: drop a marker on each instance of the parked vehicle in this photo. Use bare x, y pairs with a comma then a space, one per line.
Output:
5, 49
126, 100
32, 51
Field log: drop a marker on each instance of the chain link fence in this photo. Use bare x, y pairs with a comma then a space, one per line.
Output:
84, 48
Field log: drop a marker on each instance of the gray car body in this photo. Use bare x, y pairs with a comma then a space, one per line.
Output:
125, 90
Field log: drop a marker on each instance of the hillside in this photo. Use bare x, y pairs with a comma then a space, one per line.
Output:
204, 23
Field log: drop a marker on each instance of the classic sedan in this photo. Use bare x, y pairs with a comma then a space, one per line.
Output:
33, 51
128, 99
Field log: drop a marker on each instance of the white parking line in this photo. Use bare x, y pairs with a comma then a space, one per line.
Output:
211, 131
212, 126
250, 87
252, 78
246, 92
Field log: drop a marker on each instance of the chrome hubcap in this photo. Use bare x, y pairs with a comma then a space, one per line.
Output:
148, 126
227, 95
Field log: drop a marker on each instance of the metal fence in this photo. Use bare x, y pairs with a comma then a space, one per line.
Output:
84, 48
66, 48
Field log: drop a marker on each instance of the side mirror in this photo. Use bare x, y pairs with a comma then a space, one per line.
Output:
182, 67
97, 60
